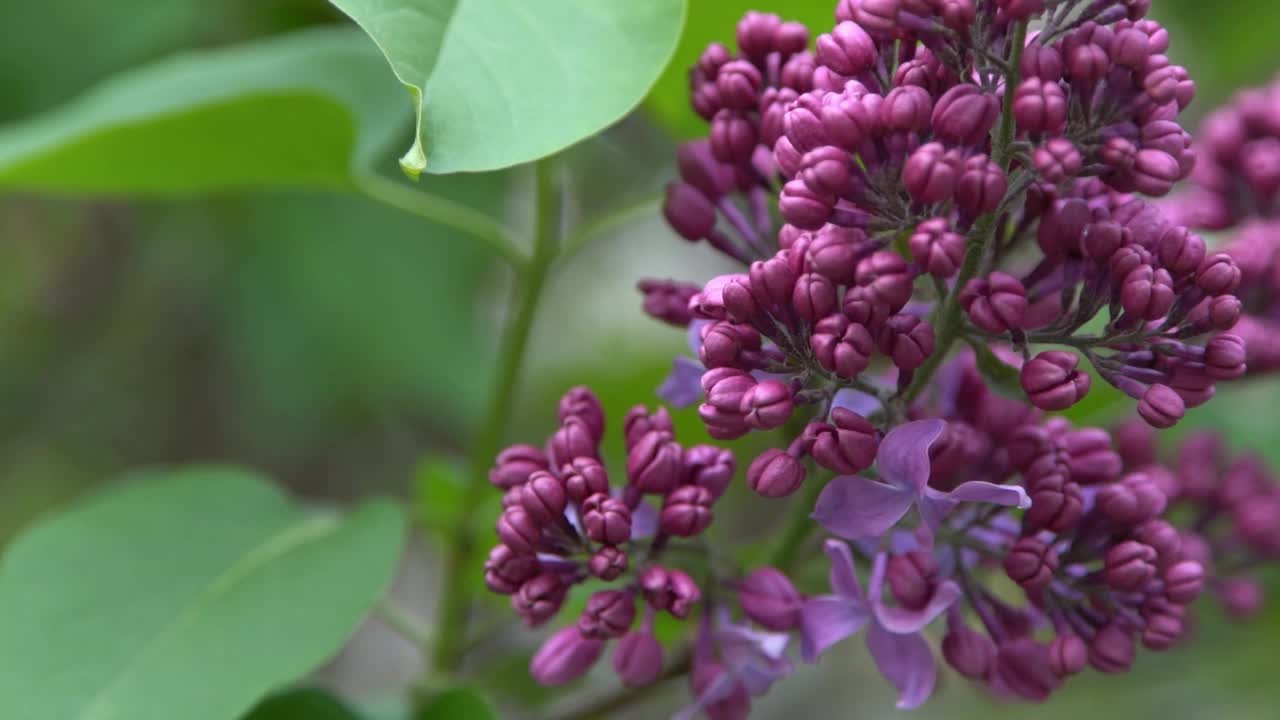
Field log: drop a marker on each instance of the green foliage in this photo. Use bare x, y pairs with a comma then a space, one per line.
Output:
295, 110
714, 21
497, 83
186, 593
438, 498
459, 702
303, 704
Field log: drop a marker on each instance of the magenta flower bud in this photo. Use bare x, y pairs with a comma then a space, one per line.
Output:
1161, 537
1260, 166
638, 659
841, 347
833, 252
732, 699
669, 589
1052, 381
1091, 458
767, 405
1061, 227
861, 306
668, 300
564, 657
573, 439
1031, 563
687, 511
514, 465
803, 208
738, 301
723, 343
1068, 654
846, 446
1129, 566
1111, 650
1147, 293
505, 570
1057, 160
769, 599
1162, 631
1133, 501
1180, 251
886, 276
609, 614
956, 14
1102, 239
997, 303
1161, 407
981, 186
733, 137
581, 402
825, 170
814, 297
606, 520
1242, 597
688, 211
1040, 106
699, 168
968, 652
802, 127
1183, 581
936, 248
1119, 153
518, 530
709, 467
1042, 61
1086, 53
930, 174
608, 563
852, 119
738, 85
1224, 312
907, 340
1021, 9
539, 598
964, 115
655, 464
1130, 48
906, 109
847, 49
1218, 275
1155, 172
584, 477
775, 474
544, 497
1224, 357
1022, 665
1055, 506
912, 577
773, 281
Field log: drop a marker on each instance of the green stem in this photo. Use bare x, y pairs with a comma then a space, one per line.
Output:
948, 321
443, 211
799, 526
451, 618
403, 622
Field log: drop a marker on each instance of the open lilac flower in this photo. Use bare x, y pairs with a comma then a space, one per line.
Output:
855, 507
733, 663
893, 634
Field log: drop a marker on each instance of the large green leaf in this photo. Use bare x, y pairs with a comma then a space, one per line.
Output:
715, 21
184, 594
301, 704
295, 110
497, 83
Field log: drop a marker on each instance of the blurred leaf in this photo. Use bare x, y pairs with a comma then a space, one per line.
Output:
456, 703
715, 21
304, 704
295, 110
439, 484
1002, 377
184, 593
497, 83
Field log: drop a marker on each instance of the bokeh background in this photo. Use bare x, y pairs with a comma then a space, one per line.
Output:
346, 348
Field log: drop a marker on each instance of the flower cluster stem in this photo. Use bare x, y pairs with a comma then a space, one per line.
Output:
456, 586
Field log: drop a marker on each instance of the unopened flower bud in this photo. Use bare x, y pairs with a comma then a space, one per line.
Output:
688, 211
606, 520
1031, 563
669, 589
1162, 631
930, 174
964, 115
967, 651
911, 578
770, 600
687, 511
1091, 458
1224, 357
804, 208
981, 186
906, 109
1068, 654
609, 614
539, 598
847, 49
1183, 581
1218, 275
848, 445
937, 249
1057, 160
564, 657
638, 659
738, 84
1161, 406
1129, 566
907, 340
518, 529
608, 563
841, 347
1111, 650
506, 570
573, 439
544, 497
1052, 381
767, 405
1147, 293
655, 464
814, 297
514, 465
1023, 666
775, 473
886, 277
1039, 106
584, 477
997, 303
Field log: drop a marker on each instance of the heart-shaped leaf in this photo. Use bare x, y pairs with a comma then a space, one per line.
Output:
185, 594
497, 83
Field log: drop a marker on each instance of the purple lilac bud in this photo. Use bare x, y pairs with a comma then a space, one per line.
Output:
1183, 581
886, 277
1218, 275
606, 519
1129, 566
767, 405
1058, 160
964, 115
688, 211
574, 439
582, 403
814, 297
668, 300
564, 657
1023, 666
515, 464
584, 477
907, 340
609, 614
1031, 563
981, 186
1111, 650
518, 530
709, 467
847, 446
656, 463
669, 589
638, 659
936, 248
912, 577
1040, 106
1091, 458
769, 599
1052, 381
996, 304
1224, 357
841, 347
1056, 505
847, 49
907, 109
968, 652
775, 473
540, 598
687, 511
505, 570
930, 174
1161, 407
544, 497
608, 563
1068, 654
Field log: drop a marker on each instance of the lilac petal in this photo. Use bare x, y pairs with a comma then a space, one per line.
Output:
902, 620
856, 507
906, 661
757, 659
825, 621
843, 576
719, 689
903, 457
855, 401
644, 521
683, 386
979, 491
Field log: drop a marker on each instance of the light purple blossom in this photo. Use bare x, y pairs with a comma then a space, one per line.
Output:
856, 507
753, 659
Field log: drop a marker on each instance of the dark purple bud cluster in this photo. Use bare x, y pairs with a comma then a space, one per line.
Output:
564, 522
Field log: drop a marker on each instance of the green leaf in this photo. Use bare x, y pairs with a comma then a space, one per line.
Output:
456, 703
439, 486
715, 21
1002, 377
497, 83
295, 110
187, 593
303, 704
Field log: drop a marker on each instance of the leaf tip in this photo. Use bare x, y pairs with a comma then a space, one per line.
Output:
414, 161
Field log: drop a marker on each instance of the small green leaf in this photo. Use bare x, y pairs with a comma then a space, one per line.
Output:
303, 704
497, 83
187, 593
1002, 377
456, 703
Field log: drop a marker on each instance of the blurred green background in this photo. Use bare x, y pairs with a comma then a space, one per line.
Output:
339, 345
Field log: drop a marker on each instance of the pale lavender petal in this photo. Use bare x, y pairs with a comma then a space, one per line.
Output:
856, 507
903, 541
825, 621
900, 620
644, 521
855, 401
903, 457
933, 506
694, 335
906, 661
843, 576
756, 658
683, 385
985, 492
719, 689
